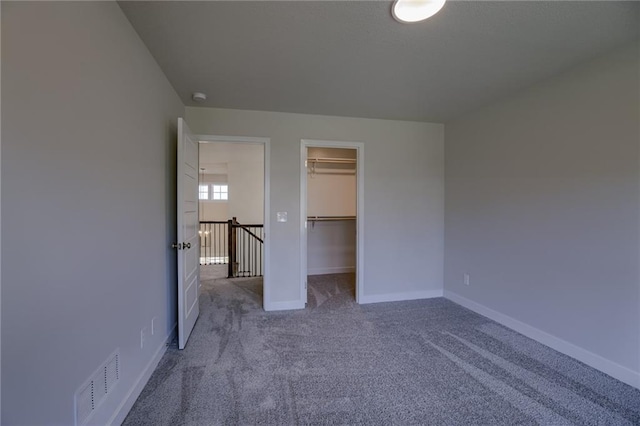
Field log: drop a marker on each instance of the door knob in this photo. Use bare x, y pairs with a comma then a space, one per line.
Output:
176, 246
187, 245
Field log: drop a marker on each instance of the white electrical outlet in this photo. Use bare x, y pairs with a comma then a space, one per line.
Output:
466, 279
143, 337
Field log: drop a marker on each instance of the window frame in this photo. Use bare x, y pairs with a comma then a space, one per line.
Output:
211, 191
201, 192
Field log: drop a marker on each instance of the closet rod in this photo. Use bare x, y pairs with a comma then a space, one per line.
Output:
328, 218
333, 172
332, 160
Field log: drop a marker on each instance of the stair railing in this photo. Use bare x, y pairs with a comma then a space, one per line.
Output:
246, 249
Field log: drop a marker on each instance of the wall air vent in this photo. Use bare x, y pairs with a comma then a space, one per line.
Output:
96, 389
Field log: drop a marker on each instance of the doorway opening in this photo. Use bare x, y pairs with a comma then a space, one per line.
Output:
233, 210
332, 221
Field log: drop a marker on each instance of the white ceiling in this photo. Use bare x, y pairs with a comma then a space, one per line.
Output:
350, 58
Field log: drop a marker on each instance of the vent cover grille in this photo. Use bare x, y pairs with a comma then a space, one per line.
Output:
84, 402
95, 390
111, 372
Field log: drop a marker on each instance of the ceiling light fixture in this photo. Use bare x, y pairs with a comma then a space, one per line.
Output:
415, 10
198, 97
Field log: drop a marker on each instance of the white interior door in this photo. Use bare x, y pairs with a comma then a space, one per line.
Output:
188, 240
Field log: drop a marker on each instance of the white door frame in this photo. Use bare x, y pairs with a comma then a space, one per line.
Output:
359, 147
266, 142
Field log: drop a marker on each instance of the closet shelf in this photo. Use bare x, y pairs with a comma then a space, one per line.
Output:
332, 160
328, 218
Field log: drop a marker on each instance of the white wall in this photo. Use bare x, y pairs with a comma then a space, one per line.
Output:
331, 247
246, 188
331, 195
331, 187
244, 172
542, 210
88, 155
403, 199
214, 210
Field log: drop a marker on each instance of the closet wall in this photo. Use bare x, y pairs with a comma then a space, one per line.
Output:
331, 209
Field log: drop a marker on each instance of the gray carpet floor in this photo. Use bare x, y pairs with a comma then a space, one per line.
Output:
426, 362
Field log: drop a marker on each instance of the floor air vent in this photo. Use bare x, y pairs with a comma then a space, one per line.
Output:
95, 390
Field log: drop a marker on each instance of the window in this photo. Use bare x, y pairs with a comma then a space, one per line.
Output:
215, 192
220, 192
204, 192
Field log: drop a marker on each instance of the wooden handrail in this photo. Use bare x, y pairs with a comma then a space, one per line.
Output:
244, 227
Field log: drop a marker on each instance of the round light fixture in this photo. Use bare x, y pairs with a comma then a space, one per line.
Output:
415, 10
198, 97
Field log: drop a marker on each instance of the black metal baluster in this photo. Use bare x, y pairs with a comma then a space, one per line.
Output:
260, 253
244, 254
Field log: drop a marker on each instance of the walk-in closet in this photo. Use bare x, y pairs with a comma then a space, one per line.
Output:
331, 222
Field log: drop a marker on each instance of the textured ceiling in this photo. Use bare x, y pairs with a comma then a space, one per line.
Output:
350, 58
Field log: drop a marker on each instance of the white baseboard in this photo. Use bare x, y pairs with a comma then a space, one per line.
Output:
331, 270
598, 362
284, 306
133, 394
397, 297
